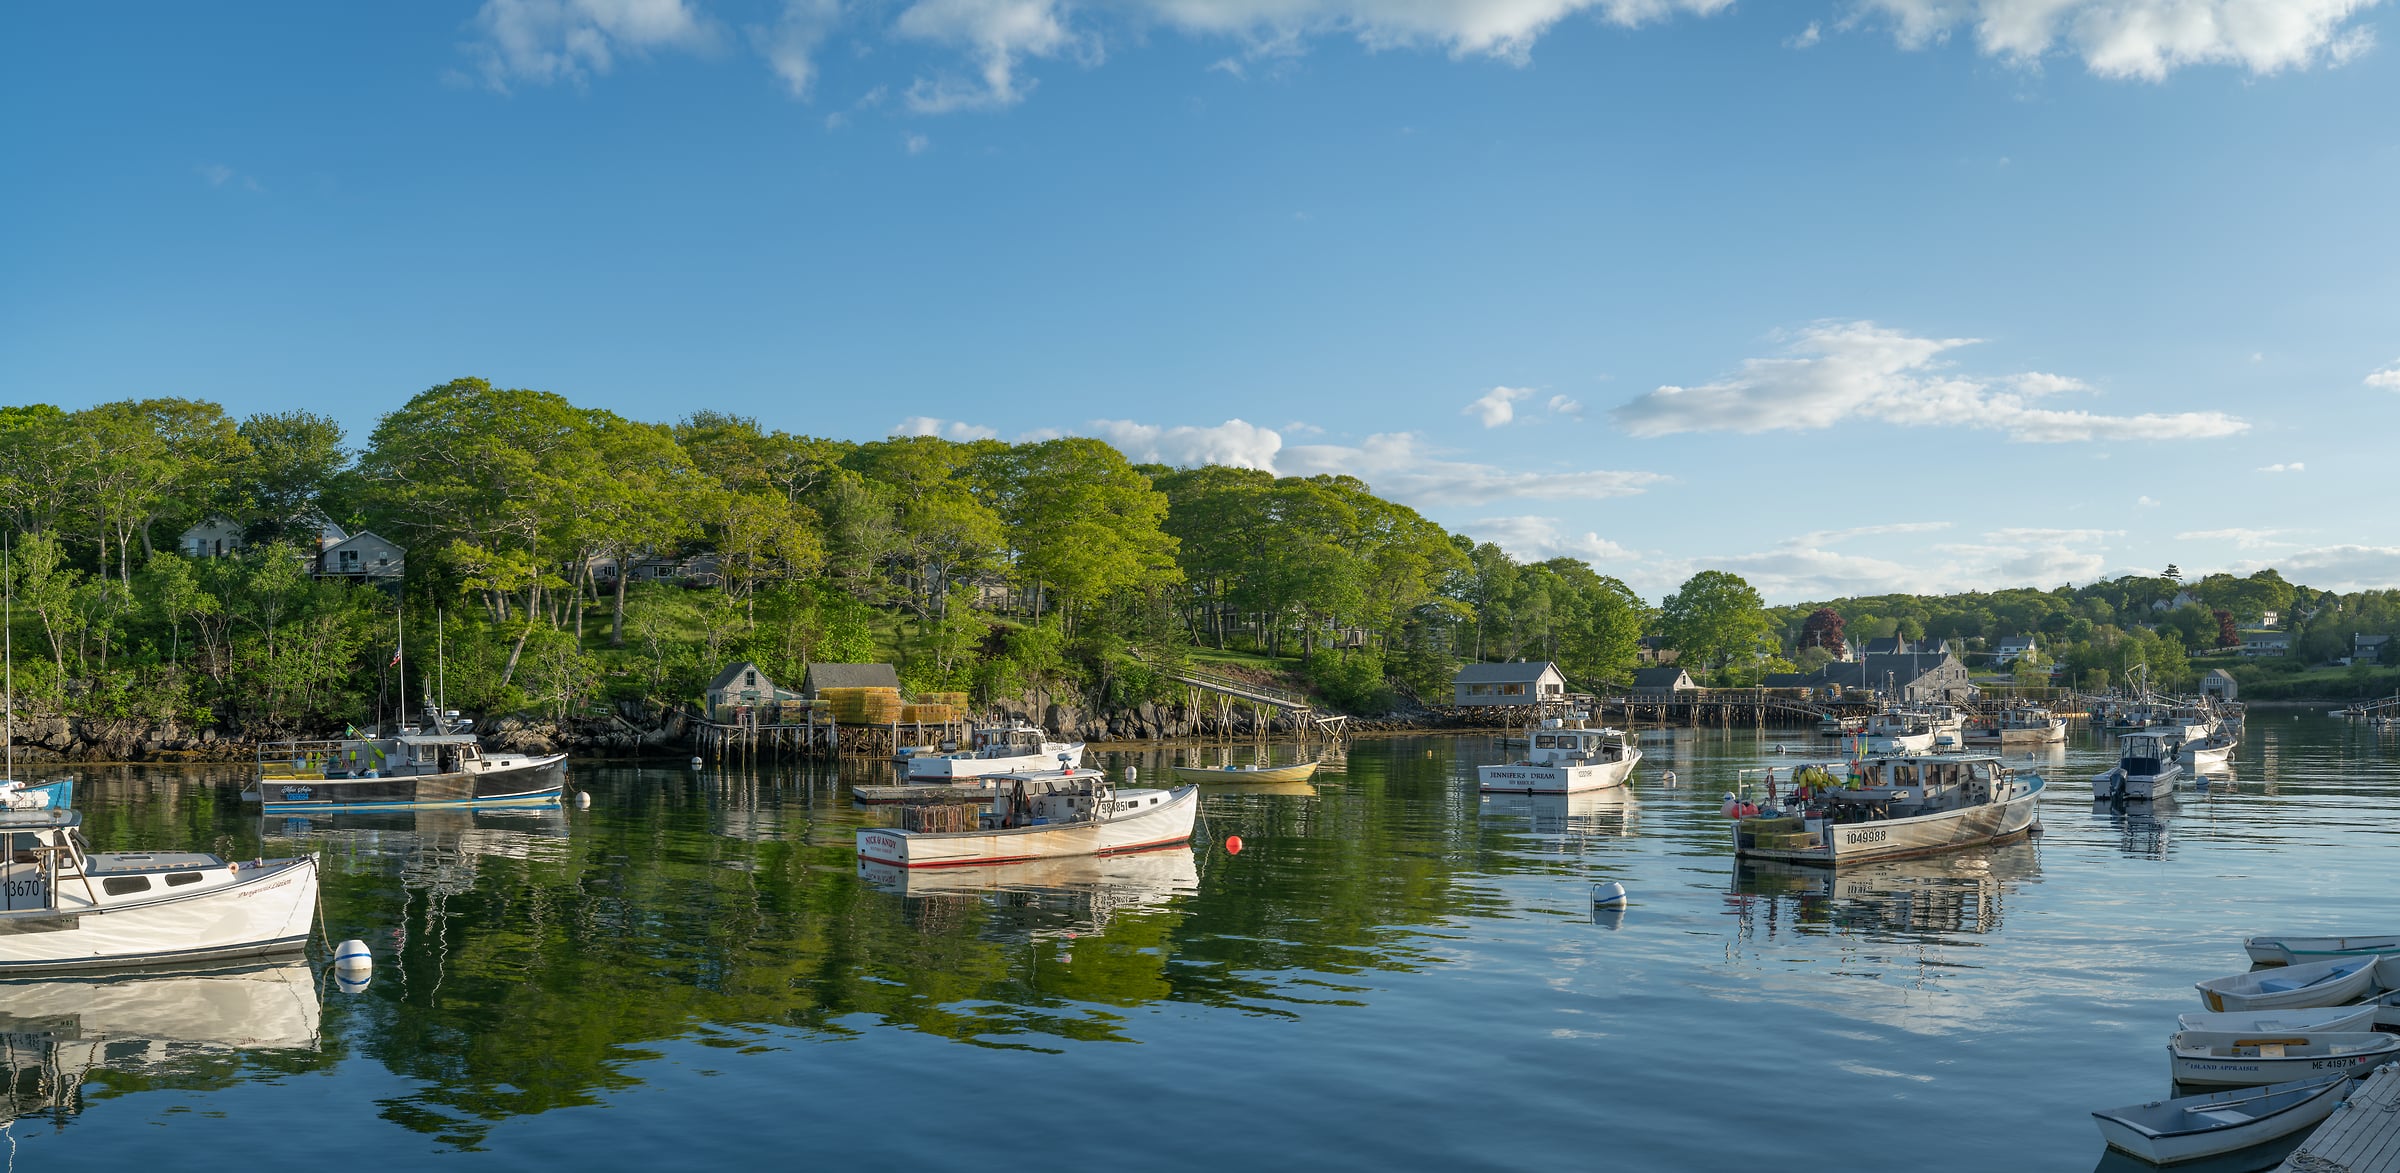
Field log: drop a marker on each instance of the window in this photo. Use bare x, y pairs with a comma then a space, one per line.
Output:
125, 885
1512, 690
179, 879
750, 679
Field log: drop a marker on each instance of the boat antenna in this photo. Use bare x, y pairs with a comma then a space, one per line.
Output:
8, 625
441, 672
400, 657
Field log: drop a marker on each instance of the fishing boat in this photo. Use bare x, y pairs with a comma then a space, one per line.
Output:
2146, 769
1900, 731
2294, 950
996, 749
62, 908
1836, 725
1897, 805
2239, 1059
2170, 1132
1031, 818
1296, 772
2333, 982
16, 794
440, 763
2017, 727
2313, 1018
2207, 755
34, 796
1564, 757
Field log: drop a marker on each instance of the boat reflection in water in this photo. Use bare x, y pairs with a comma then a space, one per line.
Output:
1591, 814
2141, 827
59, 1034
1945, 895
1072, 895
434, 850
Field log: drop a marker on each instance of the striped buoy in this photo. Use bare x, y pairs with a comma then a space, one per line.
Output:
1609, 894
353, 955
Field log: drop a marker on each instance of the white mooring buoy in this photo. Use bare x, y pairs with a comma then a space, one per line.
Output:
583, 800
695, 763
1609, 894
353, 956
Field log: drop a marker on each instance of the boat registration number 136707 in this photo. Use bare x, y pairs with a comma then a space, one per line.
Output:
1868, 835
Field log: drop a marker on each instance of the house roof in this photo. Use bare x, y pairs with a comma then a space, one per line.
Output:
1788, 680
2014, 643
731, 673
1659, 677
1870, 671
1517, 672
2213, 673
824, 676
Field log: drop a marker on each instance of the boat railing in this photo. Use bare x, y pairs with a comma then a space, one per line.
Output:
300, 759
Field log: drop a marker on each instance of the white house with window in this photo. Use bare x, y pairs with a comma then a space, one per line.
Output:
362, 556
1517, 683
2012, 648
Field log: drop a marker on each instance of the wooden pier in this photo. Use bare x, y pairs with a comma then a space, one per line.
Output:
2362, 1136
720, 741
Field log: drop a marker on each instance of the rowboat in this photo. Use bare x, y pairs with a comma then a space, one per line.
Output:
1030, 821
1296, 772
2313, 1018
2169, 1132
1903, 805
2294, 950
2236, 1059
2336, 981
62, 908
1563, 759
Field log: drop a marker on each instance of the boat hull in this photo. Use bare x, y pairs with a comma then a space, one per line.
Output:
539, 782
1996, 822
2189, 1065
2298, 987
1519, 778
2203, 761
949, 768
2297, 950
2314, 1018
1903, 743
2114, 782
1169, 824
264, 914
2281, 1110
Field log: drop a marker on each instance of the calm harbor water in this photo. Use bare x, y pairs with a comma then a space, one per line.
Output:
1394, 973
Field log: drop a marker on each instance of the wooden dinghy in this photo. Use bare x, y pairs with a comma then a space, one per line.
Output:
1296, 772
2237, 1059
2315, 1018
2170, 1132
2295, 950
2334, 982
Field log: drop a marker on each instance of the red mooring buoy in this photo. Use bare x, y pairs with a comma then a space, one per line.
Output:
1233, 845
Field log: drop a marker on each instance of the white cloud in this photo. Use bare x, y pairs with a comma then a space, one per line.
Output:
2294, 466
1837, 371
2143, 39
1807, 37
1566, 406
922, 425
790, 45
547, 41
2388, 378
1397, 465
1534, 539
1497, 406
1826, 537
916, 144
998, 34
2337, 568
2146, 501
1234, 442
2247, 539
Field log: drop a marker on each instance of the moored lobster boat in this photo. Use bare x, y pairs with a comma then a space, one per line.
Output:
1900, 806
2333, 982
1564, 758
2146, 769
440, 764
64, 908
2242, 1059
2281, 950
2169, 1132
1031, 821
996, 749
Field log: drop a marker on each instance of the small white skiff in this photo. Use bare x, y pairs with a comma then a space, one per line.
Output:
2334, 982
2294, 950
1091, 818
62, 908
2209, 756
2314, 1018
2170, 1132
2239, 1059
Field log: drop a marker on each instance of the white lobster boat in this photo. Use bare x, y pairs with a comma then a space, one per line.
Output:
1900, 731
2336, 981
1564, 759
1036, 818
2146, 769
2170, 1132
2240, 1059
1903, 805
2295, 950
2208, 755
996, 749
64, 908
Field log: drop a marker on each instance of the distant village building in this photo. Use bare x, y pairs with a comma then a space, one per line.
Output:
2268, 618
1654, 650
1909, 677
2218, 684
2013, 648
216, 537
2367, 649
743, 683
690, 570
1665, 681
361, 557
820, 677
1517, 683
2266, 643
1893, 645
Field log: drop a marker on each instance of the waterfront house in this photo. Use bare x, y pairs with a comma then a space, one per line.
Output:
741, 684
361, 557
2266, 643
2218, 684
820, 677
2368, 649
690, 570
215, 537
1666, 681
2012, 648
1514, 683
1907, 677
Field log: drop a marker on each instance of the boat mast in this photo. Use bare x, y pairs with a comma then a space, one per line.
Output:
8, 624
441, 673
400, 660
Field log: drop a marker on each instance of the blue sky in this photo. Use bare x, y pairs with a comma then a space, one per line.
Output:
1851, 296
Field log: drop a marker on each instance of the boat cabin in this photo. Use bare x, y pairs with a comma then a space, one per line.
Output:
1555, 743
1904, 787
51, 870
1007, 741
2147, 754
407, 755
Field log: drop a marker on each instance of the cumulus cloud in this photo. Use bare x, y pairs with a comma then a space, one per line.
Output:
1234, 442
2294, 466
790, 44
2336, 568
1566, 406
1832, 372
924, 425
1497, 406
1397, 464
2387, 378
548, 41
2143, 39
1535, 539
2247, 539
998, 35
